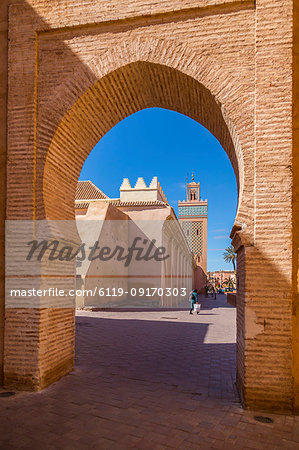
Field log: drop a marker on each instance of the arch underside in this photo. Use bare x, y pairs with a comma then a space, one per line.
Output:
112, 98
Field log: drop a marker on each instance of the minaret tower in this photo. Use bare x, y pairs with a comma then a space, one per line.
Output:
193, 217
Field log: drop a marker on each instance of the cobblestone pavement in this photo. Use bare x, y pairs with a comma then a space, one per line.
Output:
148, 380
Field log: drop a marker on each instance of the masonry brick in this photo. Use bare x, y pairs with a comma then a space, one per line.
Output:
75, 69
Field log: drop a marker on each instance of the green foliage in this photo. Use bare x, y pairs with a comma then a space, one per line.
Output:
229, 282
230, 256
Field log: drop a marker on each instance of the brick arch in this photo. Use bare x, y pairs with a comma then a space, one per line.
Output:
231, 49
110, 99
82, 111
113, 74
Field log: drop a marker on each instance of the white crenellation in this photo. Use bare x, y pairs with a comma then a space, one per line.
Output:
125, 184
141, 192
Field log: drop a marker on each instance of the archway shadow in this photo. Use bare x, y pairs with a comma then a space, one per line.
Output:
161, 353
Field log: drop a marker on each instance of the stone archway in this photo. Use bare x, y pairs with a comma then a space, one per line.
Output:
122, 92
102, 105
118, 94
210, 63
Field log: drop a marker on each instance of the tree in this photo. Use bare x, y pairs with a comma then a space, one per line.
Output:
229, 282
230, 256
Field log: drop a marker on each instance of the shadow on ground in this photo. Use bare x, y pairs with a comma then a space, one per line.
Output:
144, 380
167, 352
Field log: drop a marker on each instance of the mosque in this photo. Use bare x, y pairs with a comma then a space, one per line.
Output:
193, 217
167, 256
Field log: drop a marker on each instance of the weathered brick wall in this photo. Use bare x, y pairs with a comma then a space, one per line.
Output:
296, 208
226, 64
240, 304
3, 146
269, 271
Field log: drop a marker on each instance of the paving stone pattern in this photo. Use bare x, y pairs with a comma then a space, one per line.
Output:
148, 380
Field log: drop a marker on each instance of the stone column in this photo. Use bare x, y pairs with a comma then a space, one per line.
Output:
265, 265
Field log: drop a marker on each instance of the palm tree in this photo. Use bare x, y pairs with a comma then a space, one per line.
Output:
230, 256
229, 282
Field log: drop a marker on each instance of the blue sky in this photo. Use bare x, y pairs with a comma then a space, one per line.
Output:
166, 144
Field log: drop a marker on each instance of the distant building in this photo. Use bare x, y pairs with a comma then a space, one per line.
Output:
141, 211
193, 218
218, 278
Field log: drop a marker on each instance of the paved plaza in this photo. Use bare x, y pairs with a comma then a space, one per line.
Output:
148, 380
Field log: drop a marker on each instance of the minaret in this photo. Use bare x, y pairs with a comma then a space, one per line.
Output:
193, 217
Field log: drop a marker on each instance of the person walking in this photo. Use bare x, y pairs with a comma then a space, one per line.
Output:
193, 300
